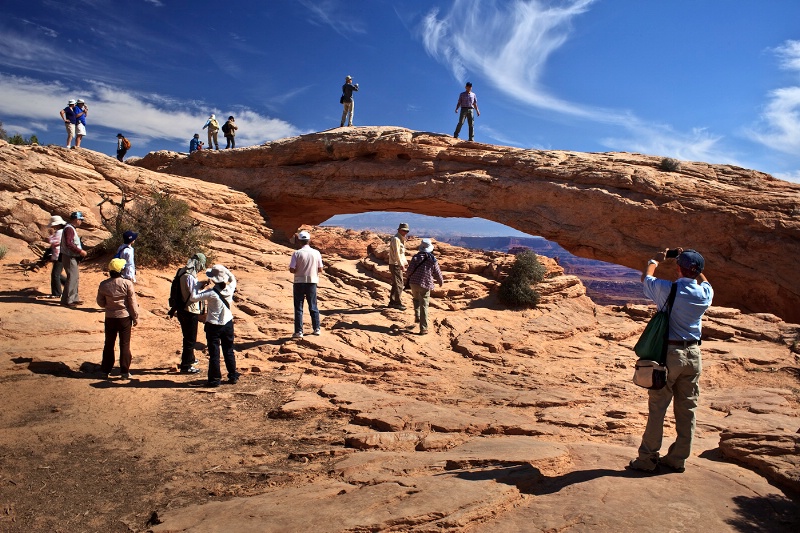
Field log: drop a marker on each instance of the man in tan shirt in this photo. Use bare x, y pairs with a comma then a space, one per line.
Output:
397, 265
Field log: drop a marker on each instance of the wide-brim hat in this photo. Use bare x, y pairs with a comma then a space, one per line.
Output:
348, 77
403, 226
426, 246
217, 274
56, 220
71, 102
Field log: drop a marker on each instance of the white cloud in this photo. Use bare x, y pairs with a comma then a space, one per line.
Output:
779, 128
342, 18
508, 44
696, 145
144, 116
788, 176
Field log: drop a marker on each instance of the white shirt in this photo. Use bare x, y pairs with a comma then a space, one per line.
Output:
307, 263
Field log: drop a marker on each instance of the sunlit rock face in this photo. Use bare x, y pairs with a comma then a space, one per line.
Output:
616, 207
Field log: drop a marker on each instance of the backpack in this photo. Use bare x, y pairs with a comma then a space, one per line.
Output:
226, 128
126, 143
213, 124
176, 300
118, 255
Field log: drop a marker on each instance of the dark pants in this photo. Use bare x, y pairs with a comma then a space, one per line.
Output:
115, 327
395, 295
216, 335
189, 329
466, 113
121, 153
57, 280
231, 142
305, 291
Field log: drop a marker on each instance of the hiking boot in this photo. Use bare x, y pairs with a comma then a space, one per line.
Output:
671, 467
126, 375
643, 465
212, 384
233, 380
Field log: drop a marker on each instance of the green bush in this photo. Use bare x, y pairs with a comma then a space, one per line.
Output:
167, 232
516, 290
3, 251
670, 165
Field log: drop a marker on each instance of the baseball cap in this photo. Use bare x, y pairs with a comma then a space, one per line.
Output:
691, 260
304, 236
129, 236
77, 215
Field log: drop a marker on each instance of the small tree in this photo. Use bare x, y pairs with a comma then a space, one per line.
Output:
167, 232
3, 134
515, 290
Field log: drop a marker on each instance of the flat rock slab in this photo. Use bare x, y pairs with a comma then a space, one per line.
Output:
503, 484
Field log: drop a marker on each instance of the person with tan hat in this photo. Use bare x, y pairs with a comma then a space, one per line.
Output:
71, 251
347, 102
117, 296
219, 323
397, 265
57, 279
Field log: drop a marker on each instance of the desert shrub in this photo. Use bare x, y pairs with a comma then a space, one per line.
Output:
516, 290
3, 251
670, 165
167, 232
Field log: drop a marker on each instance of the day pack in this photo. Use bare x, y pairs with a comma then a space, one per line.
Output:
226, 128
126, 143
176, 300
118, 255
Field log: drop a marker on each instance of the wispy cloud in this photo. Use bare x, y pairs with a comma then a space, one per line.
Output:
147, 116
340, 16
156, 3
508, 44
780, 119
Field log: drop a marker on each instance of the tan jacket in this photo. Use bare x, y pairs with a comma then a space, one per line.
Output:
118, 297
397, 251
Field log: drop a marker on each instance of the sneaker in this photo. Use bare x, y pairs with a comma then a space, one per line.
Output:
125, 376
191, 370
234, 379
298, 335
212, 384
317, 332
643, 465
423, 332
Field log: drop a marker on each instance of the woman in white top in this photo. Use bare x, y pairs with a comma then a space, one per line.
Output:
219, 323
57, 279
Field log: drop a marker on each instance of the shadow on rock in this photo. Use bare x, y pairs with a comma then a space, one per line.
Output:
765, 513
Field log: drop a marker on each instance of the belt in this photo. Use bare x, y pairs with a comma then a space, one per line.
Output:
684, 343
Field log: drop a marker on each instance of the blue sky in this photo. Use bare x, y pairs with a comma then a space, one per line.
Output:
710, 80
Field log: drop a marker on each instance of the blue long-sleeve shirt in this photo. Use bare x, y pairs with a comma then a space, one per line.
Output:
691, 301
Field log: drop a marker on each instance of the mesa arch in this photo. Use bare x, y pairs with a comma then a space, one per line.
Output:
615, 207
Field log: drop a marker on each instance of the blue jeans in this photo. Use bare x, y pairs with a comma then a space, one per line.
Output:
466, 113
305, 291
215, 335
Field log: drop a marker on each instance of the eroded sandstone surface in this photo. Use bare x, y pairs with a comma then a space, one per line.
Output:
497, 420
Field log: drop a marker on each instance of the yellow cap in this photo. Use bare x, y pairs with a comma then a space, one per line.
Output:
116, 265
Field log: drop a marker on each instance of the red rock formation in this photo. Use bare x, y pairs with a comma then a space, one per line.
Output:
616, 207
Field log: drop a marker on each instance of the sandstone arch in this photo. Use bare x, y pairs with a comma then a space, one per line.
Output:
616, 207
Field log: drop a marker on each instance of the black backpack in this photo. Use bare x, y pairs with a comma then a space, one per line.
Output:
226, 128
176, 300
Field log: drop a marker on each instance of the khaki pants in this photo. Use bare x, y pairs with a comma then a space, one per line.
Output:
684, 366
212, 138
395, 296
347, 113
421, 297
70, 292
